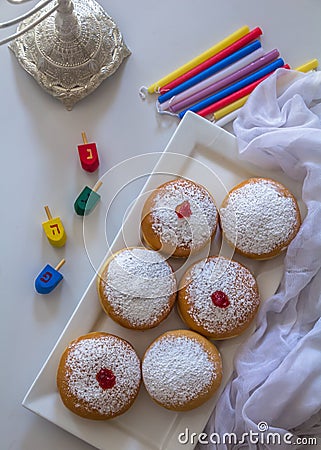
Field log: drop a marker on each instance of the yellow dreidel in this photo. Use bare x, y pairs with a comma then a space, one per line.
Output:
54, 230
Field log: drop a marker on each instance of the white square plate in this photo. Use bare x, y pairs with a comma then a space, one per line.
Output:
206, 154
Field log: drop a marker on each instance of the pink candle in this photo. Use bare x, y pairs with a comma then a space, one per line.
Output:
210, 89
212, 79
235, 96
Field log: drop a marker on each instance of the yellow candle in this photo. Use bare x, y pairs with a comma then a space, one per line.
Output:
310, 65
199, 59
230, 108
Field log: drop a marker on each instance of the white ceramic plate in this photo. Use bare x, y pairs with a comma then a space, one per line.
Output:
207, 154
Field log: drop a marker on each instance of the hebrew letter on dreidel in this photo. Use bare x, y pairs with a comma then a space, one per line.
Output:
53, 227
90, 153
46, 277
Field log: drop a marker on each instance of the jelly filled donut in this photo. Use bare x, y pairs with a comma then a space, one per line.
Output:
260, 217
181, 370
218, 298
137, 288
99, 376
179, 217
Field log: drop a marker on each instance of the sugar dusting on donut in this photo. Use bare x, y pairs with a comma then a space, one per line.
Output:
85, 362
176, 369
230, 278
139, 284
184, 214
258, 217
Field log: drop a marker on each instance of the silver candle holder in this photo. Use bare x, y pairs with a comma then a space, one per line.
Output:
68, 46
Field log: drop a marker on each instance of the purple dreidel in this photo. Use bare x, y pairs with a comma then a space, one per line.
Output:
87, 200
48, 278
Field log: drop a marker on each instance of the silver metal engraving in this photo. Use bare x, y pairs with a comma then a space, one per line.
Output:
71, 51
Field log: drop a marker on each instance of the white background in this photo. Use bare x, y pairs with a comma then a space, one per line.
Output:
39, 166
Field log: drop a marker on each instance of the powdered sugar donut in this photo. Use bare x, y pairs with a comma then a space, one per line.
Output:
137, 288
181, 370
218, 298
260, 217
179, 217
99, 376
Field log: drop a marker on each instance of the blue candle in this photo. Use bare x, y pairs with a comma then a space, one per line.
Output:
211, 70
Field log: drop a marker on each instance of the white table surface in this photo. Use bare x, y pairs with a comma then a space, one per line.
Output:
39, 166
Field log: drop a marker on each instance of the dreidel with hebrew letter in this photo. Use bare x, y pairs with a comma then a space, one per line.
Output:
48, 278
88, 155
54, 230
87, 200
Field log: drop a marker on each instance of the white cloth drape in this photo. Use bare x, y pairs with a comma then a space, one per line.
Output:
277, 377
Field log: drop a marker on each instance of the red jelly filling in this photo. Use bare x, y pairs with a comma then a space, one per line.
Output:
183, 210
220, 299
106, 378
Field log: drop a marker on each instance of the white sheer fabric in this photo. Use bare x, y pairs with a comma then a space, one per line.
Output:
277, 376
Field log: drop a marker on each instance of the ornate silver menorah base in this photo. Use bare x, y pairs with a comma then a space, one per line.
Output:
72, 51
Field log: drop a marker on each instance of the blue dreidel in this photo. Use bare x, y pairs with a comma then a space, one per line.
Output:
87, 200
48, 278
